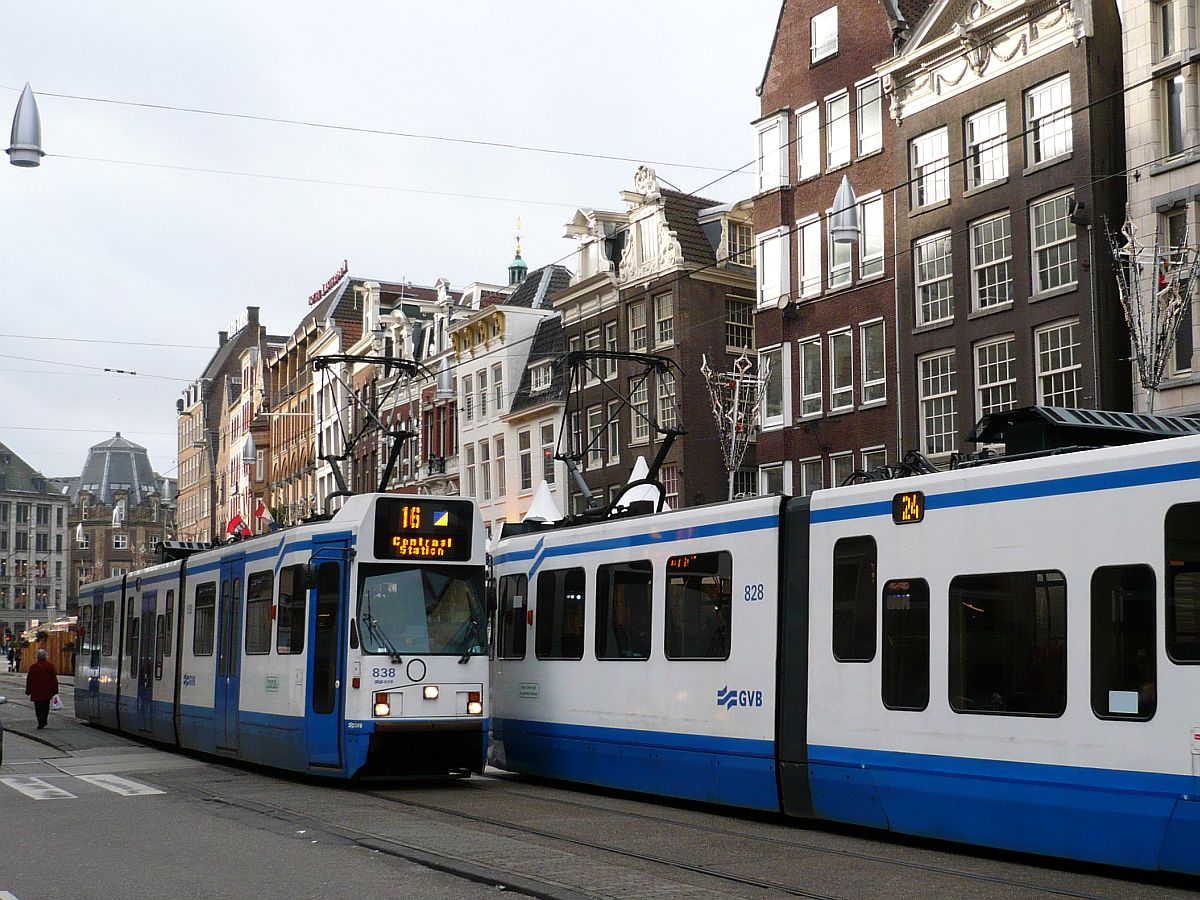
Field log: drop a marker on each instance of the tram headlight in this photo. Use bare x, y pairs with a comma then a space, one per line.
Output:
431, 692
474, 704
382, 706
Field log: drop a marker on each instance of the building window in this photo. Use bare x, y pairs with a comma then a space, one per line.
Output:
525, 459
501, 479
468, 397
591, 372
870, 118
773, 265
1173, 125
120, 540
995, 376
739, 324
810, 377
837, 130
664, 319
935, 279
812, 476
937, 391
595, 436
739, 243
1059, 368
670, 480
809, 238
840, 263
498, 389
667, 413
614, 431
1124, 676
874, 458
1167, 30
1176, 229
824, 27
987, 146
841, 467
540, 378
698, 606
874, 379
808, 143
576, 436
470, 465
870, 248
548, 453
774, 398
1008, 643
772, 154
637, 326
647, 230
1048, 120
1054, 249
854, 560
771, 480
841, 371
639, 399
485, 469
610, 345
991, 252
481, 378
930, 160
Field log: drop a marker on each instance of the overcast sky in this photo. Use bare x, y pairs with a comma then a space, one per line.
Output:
115, 252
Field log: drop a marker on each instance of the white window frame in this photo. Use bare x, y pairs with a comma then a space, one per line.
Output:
783, 366
664, 320
501, 474
1036, 248
639, 334
1045, 372
784, 469
841, 271
485, 469
944, 441
873, 390
547, 449
982, 264
524, 460
868, 456
481, 381
469, 451
1051, 94
498, 388
1180, 109
808, 236
639, 400
1166, 27
806, 486
845, 461
772, 152
744, 307
1004, 368
944, 261
770, 292
541, 376
596, 435
812, 396
808, 142
120, 540
739, 243
611, 330
668, 405
986, 145
614, 431
841, 396
929, 167
468, 384
819, 29
870, 258
870, 136
837, 130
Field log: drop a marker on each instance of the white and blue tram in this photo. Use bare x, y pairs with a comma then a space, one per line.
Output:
1007, 655
351, 647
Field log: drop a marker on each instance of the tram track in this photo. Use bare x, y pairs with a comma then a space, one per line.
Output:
860, 856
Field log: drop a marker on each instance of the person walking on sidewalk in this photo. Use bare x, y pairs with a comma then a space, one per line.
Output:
12, 659
41, 684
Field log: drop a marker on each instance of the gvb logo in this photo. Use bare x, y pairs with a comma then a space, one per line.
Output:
731, 698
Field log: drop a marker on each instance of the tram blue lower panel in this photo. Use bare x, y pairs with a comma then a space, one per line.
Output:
731, 771
1138, 819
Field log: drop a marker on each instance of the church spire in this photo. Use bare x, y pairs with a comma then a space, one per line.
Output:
517, 269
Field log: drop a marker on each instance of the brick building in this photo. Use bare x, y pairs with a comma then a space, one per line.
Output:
1011, 116
825, 316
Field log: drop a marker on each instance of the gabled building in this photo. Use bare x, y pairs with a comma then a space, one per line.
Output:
825, 314
672, 275
1011, 118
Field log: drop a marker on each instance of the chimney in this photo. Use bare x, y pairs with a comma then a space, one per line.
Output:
251, 315
222, 337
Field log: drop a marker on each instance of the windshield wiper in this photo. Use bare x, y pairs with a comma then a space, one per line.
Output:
472, 633
380, 635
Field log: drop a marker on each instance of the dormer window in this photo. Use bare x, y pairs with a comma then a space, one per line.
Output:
824, 34
739, 239
540, 377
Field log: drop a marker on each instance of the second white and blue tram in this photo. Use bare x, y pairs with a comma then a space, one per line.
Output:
352, 647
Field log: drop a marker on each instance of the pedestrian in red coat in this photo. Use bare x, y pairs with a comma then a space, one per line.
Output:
41, 684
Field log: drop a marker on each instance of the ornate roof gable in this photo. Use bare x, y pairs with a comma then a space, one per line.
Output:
648, 212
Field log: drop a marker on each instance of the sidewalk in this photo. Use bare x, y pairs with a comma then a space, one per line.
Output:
64, 732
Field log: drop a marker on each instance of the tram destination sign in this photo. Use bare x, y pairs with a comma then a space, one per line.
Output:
423, 528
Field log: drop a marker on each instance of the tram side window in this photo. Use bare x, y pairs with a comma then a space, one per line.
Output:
906, 644
260, 588
1124, 680
160, 629
85, 630
131, 647
1008, 643
854, 599
169, 623
560, 614
206, 619
1183, 583
289, 636
623, 610
699, 606
107, 628
514, 600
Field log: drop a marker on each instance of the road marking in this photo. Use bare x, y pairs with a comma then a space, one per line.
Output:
5, 895
37, 788
119, 785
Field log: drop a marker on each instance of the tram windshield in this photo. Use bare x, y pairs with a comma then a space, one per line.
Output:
411, 609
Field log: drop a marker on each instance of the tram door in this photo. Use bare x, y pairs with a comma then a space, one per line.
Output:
229, 653
145, 669
325, 662
93, 662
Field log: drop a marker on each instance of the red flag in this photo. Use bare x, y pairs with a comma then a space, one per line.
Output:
236, 525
